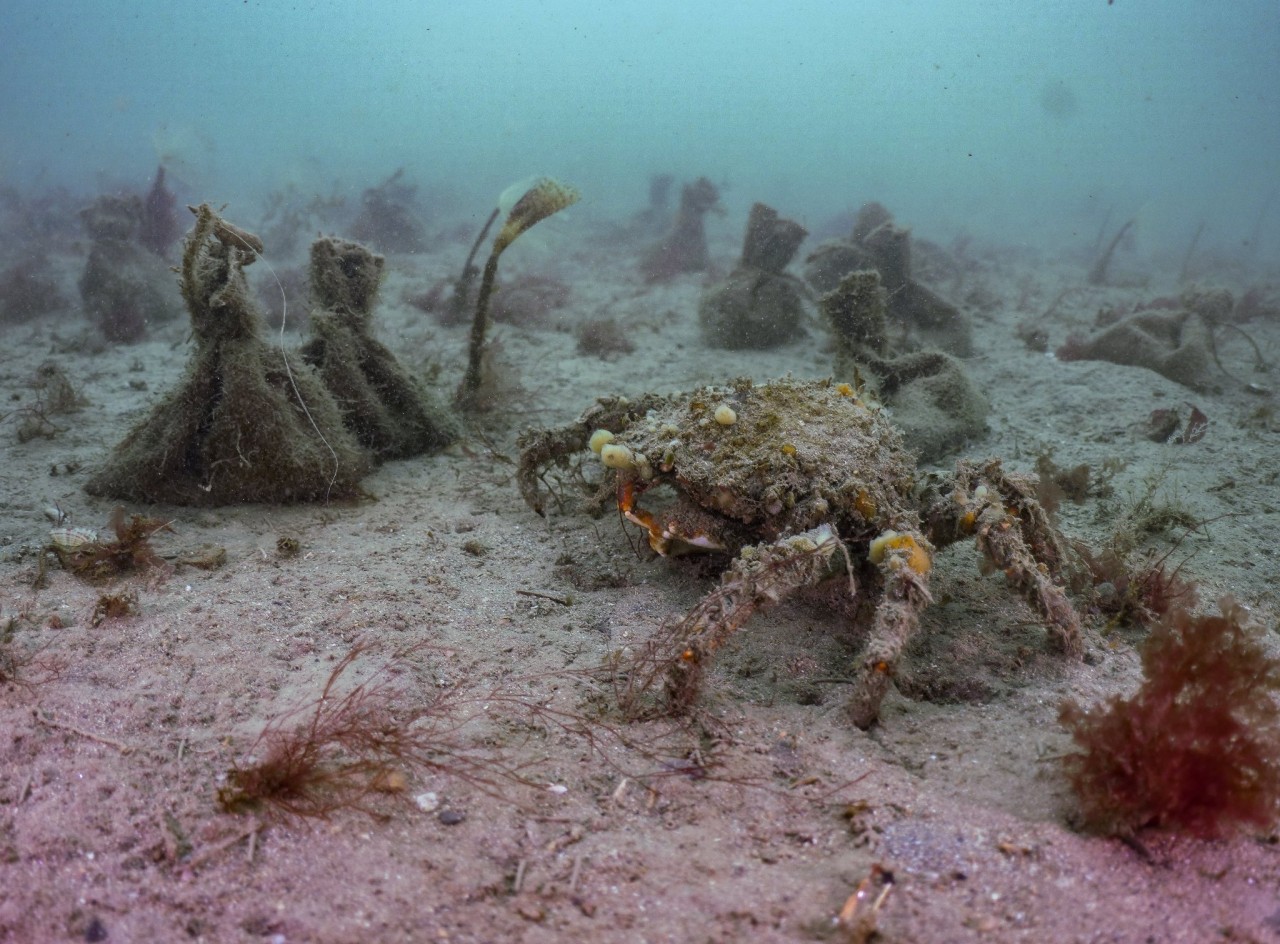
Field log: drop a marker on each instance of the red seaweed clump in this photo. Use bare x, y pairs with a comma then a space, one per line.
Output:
1197, 747
1139, 594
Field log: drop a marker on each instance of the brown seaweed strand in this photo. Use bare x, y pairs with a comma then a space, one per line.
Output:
462, 287
475, 358
1098, 274
543, 199
475, 246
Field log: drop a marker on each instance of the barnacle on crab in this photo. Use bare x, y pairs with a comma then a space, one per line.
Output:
804, 470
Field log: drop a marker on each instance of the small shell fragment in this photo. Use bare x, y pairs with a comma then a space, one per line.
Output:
68, 539
725, 415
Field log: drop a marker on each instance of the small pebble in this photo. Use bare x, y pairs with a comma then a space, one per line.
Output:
427, 802
450, 817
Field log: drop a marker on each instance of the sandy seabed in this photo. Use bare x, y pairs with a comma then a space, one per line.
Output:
110, 826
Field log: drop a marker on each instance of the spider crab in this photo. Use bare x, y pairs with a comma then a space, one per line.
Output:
800, 480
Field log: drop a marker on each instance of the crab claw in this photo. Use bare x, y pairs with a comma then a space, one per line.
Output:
667, 536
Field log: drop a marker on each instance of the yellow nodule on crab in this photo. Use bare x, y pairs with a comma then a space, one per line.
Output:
904, 547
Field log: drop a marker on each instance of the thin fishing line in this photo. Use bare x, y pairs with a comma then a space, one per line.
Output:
284, 318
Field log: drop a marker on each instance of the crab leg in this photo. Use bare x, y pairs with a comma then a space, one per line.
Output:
761, 575
638, 516
1002, 543
666, 535
1014, 534
541, 450
904, 562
